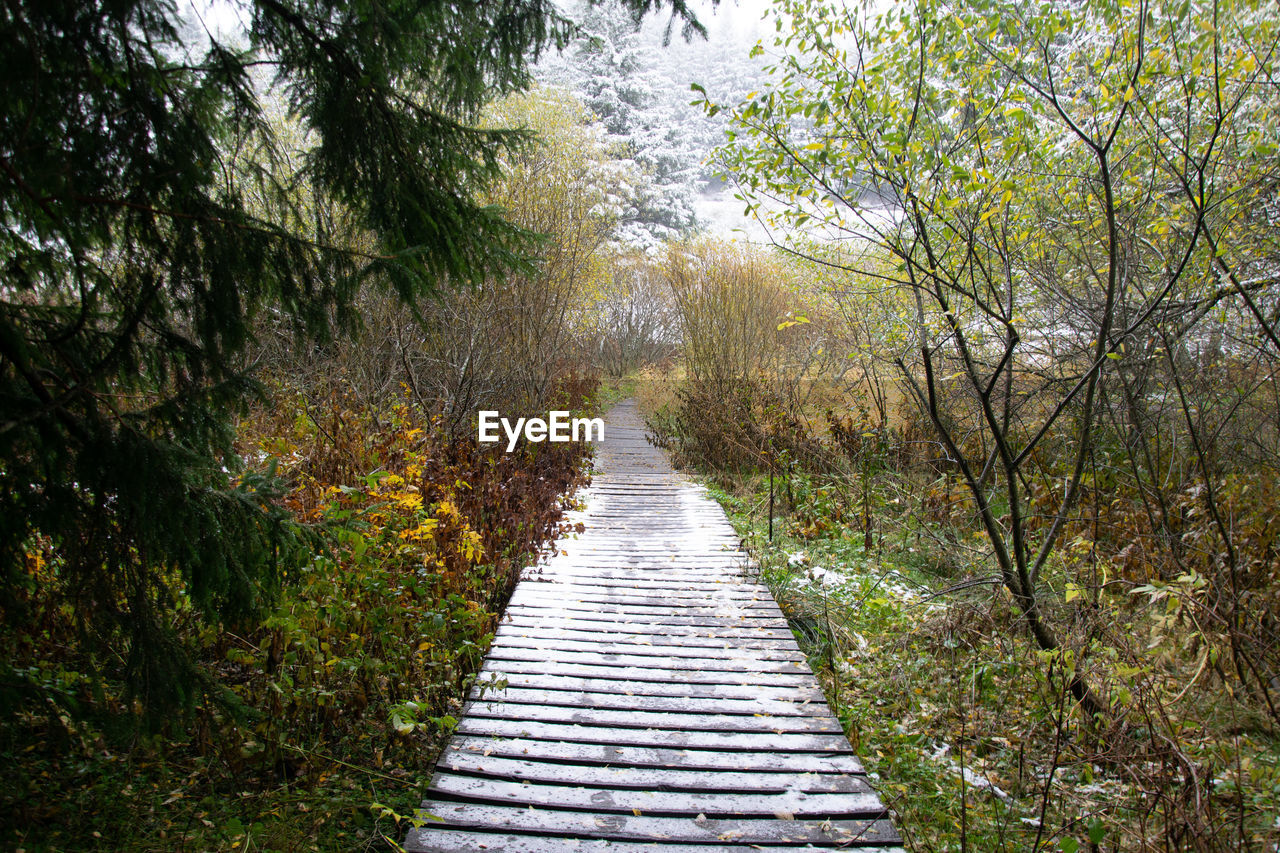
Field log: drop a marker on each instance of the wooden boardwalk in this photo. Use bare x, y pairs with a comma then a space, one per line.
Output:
654, 698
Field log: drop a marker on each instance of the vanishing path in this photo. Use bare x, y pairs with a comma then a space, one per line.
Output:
655, 699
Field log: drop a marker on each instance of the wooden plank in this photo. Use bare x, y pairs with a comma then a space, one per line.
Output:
759, 627
508, 709
603, 496
621, 515
725, 663
703, 536
682, 606
697, 530
491, 680
765, 707
704, 626
639, 570
606, 646
710, 545
688, 565
691, 573
662, 592
648, 605
593, 580
709, 552
468, 841
689, 601
626, 591
603, 574
679, 829
607, 491
653, 542
619, 594
647, 673
675, 500
656, 547
601, 657
694, 559
633, 578
623, 520
616, 755
614, 633
636, 587
546, 597
721, 636
682, 609
664, 738
658, 536
601, 800
650, 778
617, 614
599, 576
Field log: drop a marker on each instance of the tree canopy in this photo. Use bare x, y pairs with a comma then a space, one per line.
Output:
148, 226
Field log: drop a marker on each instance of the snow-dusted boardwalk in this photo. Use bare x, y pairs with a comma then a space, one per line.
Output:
654, 698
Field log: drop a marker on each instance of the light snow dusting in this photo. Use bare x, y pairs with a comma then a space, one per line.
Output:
638, 90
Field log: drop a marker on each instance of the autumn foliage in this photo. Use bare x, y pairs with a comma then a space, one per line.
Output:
354, 675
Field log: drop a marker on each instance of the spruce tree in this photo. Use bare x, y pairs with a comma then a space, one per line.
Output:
141, 245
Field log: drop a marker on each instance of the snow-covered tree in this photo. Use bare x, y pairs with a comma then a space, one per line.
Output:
636, 84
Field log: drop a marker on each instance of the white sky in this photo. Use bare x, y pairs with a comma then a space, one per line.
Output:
226, 20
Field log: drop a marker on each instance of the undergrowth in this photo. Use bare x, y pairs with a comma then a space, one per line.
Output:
969, 734
318, 724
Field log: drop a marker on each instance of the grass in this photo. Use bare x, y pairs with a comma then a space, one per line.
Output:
967, 733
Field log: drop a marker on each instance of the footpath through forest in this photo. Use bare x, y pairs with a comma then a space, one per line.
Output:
644, 693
